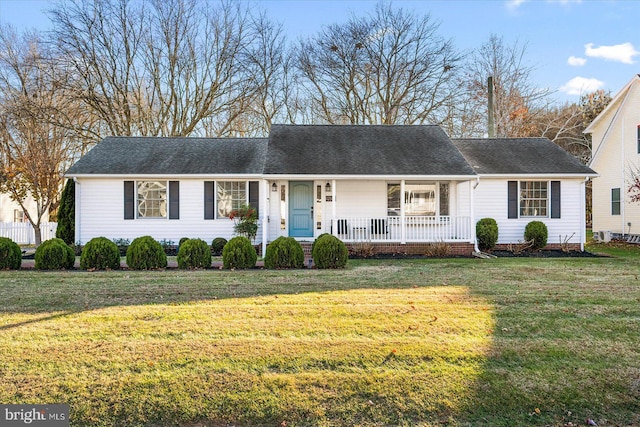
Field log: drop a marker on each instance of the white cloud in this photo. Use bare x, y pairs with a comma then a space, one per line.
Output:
620, 52
580, 85
574, 61
514, 4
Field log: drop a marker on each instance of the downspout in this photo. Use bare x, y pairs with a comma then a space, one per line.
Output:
622, 187
583, 209
77, 234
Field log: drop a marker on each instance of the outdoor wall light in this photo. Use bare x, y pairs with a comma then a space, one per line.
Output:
274, 187
327, 187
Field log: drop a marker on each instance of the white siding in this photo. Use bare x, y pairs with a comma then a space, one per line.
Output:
8, 206
491, 202
616, 158
101, 206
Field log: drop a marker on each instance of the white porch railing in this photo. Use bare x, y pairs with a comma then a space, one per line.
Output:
22, 232
413, 229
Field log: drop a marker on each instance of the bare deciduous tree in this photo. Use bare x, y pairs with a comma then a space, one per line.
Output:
34, 151
163, 68
387, 68
517, 101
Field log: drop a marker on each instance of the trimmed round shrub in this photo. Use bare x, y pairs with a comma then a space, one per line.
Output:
194, 253
146, 253
284, 252
218, 245
100, 253
10, 254
536, 231
54, 254
313, 244
329, 252
239, 253
184, 239
487, 233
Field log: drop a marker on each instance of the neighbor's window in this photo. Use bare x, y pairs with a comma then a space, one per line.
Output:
420, 199
152, 199
230, 195
615, 201
534, 198
18, 215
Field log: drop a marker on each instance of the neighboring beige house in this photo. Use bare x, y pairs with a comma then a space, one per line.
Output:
15, 225
10, 210
615, 134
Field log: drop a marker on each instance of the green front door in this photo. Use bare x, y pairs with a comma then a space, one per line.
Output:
301, 209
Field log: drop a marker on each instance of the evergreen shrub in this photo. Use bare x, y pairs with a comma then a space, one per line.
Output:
145, 253
54, 254
329, 252
239, 253
10, 254
536, 231
100, 253
217, 245
194, 253
487, 233
284, 252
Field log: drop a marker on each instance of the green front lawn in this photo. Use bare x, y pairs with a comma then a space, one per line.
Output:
500, 342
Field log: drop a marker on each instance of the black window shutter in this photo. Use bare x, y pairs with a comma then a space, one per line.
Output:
513, 199
129, 196
555, 199
174, 199
209, 199
254, 195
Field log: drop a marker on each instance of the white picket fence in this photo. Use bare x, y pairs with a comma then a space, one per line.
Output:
22, 232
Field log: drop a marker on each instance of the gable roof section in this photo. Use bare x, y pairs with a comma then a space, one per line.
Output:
615, 102
363, 150
173, 156
519, 156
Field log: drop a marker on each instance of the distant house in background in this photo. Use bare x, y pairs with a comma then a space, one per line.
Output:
615, 134
15, 225
398, 188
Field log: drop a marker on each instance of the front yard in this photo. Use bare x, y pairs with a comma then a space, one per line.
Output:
412, 342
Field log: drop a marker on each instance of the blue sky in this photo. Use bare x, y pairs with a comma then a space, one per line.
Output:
575, 46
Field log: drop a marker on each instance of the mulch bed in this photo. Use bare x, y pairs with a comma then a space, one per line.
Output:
552, 253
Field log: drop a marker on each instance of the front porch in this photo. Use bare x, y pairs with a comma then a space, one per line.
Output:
403, 229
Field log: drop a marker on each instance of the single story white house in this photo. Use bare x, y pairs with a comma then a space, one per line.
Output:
395, 187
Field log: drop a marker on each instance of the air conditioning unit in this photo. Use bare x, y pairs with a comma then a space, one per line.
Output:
603, 236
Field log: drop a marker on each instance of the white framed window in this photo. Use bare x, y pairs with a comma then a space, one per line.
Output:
615, 201
151, 199
534, 199
230, 195
420, 199
18, 215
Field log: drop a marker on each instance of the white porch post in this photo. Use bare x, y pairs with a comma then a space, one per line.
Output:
403, 222
334, 223
264, 202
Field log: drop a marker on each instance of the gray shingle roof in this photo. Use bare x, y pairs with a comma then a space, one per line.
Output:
173, 156
519, 156
329, 150
363, 150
